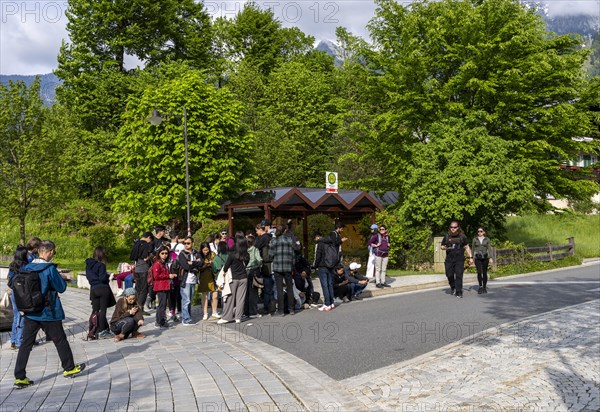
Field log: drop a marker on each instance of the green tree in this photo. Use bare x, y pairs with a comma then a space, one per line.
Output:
257, 38
104, 34
151, 158
296, 124
490, 67
29, 173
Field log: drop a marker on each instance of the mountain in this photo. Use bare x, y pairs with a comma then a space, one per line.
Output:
48, 84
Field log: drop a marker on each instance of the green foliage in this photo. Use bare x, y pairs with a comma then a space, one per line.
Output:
76, 215
296, 123
209, 227
490, 64
540, 229
152, 170
103, 235
534, 266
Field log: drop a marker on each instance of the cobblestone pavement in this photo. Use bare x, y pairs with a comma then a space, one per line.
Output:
548, 362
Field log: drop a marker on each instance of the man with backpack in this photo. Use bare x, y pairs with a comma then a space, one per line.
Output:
380, 244
36, 293
141, 254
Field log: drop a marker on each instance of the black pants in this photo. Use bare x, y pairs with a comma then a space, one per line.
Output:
482, 271
141, 287
251, 304
175, 299
101, 297
342, 291
57, 334
454, 273
279, 277
161, 319
125, 326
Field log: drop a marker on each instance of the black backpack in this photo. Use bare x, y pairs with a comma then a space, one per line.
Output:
330, 255
27, 291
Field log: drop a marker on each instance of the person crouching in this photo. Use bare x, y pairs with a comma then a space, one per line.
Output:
127, 317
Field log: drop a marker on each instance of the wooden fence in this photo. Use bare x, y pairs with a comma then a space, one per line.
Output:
546, 253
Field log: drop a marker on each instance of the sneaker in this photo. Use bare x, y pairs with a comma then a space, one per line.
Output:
345, 300
163, 326
22, 383
120, 292
480, 290
175, 319
379, 286
328, 308
205, 317
356, 297
106, 334
323, 308
484, 289
258, 315
75, 371
187, 323
459, 295
222, 321
13, 346
238, 321
452, 291
216, 316
338, 301
385, 285
314, 305
146, 313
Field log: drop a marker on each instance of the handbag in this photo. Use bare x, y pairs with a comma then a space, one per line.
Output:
258, 282
6, 313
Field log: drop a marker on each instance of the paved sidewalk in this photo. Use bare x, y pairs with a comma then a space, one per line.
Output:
548, 362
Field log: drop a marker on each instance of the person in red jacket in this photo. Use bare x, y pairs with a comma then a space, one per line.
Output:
162, 285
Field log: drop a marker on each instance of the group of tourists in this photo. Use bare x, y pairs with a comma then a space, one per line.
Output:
231, 273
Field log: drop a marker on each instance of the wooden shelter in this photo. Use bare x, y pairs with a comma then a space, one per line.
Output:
294, 202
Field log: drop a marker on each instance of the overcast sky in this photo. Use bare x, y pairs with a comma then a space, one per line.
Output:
31, 31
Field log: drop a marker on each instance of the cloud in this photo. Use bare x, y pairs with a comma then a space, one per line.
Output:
31, 31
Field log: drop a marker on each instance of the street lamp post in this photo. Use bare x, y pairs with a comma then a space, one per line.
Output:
156, 119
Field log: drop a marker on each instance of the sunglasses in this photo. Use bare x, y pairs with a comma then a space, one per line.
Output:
187, 243
453, 227
480, 231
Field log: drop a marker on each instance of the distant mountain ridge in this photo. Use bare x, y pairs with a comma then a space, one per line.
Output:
48, 84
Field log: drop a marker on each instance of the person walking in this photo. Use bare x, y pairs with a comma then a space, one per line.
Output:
482, 250
100, 293
50, 318
455, 243
380, 244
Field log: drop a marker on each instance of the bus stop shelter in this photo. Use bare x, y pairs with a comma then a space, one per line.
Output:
299, 202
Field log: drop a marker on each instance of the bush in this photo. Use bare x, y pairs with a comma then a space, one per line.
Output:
103, 235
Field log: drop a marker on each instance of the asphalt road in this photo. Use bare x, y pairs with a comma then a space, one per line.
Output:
365, 335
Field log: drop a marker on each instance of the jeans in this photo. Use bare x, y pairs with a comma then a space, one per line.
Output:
326, 279
125, 326
187, 294
268, 292
16, 335
357, 288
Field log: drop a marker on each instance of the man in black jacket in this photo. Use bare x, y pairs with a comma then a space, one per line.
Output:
141, 254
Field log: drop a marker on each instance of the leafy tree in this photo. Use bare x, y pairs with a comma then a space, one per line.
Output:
257, 38
104, 34
151, 158
490, 67
296, 124
29, 173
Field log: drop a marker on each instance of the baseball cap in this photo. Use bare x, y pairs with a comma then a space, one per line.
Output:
265, 222
374, 226
354, 266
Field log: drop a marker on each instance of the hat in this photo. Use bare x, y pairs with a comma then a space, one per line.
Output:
265, 222
374, 226
129, 292
355, 266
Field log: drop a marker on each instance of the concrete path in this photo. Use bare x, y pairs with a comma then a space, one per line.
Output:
549, 362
